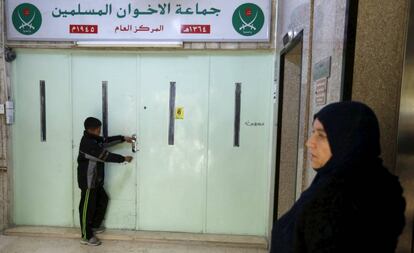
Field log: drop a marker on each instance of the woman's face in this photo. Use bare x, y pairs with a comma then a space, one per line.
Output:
318, 146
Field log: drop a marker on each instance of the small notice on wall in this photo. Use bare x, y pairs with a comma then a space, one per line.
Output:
322, 69
321, 90
179, 113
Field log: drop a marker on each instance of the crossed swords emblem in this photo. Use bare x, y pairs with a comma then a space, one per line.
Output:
248, 24
27, 24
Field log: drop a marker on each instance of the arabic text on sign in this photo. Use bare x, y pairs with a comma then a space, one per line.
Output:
196, 29
87, 29
131, 11
136, 29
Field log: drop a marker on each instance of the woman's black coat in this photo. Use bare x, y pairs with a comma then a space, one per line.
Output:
354, 204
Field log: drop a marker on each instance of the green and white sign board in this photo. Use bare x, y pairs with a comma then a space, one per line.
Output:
139, 20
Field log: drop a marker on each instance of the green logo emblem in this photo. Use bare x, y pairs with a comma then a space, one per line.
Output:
27, 19
248, 19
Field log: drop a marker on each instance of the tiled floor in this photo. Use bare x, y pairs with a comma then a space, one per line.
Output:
18, 244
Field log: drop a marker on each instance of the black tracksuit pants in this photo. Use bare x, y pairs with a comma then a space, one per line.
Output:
92, 209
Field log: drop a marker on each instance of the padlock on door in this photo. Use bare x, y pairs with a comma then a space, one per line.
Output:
134, 143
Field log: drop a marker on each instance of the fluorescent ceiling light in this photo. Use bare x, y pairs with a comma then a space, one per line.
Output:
142, 44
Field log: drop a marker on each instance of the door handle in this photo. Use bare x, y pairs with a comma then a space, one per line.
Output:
134, 143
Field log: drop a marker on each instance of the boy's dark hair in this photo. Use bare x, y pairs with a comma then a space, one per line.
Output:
92, 123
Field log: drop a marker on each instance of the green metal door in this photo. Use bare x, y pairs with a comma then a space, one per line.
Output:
42, 170
238, 174
120, 72
172, 175
188, 176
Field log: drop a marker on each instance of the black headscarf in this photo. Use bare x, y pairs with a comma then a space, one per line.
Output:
353, 134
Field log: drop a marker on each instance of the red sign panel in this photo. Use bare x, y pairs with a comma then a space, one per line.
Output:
196, 29
83, 29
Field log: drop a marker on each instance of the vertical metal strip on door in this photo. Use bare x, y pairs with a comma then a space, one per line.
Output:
171, 127
237, 115
42, 110
105, 108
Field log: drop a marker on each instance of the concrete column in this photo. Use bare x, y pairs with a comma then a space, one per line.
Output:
379, 56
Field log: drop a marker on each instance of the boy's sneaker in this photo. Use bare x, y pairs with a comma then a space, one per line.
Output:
98, 230
91, 242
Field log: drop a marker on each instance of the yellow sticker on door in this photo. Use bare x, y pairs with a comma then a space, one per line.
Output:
179, 113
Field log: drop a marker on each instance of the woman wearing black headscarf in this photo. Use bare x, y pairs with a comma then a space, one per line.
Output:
354, 204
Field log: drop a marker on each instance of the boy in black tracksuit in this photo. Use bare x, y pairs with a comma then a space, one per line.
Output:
91, 173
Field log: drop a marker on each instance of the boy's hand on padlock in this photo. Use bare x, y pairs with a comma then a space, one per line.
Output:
128, 139
128, 159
